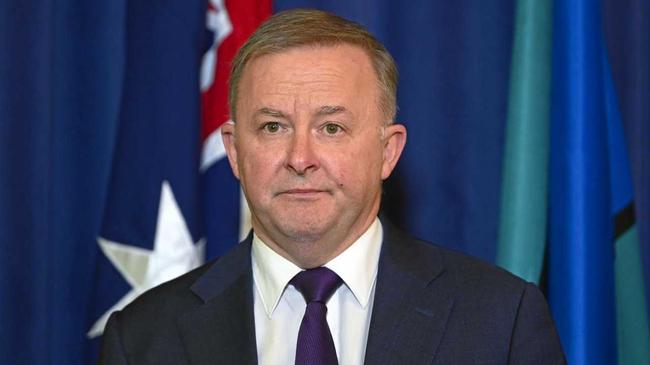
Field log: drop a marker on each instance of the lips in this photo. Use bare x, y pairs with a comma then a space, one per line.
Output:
302, 192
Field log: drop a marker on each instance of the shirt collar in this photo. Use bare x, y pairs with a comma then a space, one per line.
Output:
357, 266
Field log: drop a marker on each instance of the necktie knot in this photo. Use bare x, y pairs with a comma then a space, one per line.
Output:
317, 285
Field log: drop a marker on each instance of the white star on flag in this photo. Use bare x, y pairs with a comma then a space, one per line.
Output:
174, 254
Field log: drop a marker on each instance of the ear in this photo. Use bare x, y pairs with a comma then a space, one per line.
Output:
394, 142
228, 137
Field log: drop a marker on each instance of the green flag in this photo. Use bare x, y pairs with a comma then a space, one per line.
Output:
522, 230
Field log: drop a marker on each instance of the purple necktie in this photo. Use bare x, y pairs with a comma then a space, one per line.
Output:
315, 344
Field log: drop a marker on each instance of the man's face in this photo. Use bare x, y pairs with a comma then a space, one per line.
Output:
310, 147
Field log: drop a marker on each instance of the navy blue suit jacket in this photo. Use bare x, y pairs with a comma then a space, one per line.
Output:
431, 306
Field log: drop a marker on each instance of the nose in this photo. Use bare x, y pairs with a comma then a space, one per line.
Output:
302, 157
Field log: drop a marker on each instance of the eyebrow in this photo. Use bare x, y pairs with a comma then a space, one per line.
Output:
323, 110
330, 110
271, 113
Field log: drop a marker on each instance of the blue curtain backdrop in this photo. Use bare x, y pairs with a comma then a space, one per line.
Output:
61, 70
64, 70
627, 34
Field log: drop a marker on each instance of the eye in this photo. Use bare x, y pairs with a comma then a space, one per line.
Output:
332, 128
271, 127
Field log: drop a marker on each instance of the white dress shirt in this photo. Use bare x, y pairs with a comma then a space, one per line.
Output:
279, 307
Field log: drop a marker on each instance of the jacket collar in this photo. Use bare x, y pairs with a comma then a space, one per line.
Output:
409, 314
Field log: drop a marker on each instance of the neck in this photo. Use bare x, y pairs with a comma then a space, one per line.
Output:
309, 252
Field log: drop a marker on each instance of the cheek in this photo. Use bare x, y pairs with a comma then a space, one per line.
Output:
257, 167
259, 156
356, 170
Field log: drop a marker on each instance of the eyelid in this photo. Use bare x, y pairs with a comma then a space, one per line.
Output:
329, 123
265, 124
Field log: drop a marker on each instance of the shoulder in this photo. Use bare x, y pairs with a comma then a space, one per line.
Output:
147, 326
155, 311
160, 306
474, 275
167, 298
491, 302
460, 272
481, 293
494, 314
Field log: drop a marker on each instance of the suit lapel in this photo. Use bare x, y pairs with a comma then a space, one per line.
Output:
222, 329
409, 315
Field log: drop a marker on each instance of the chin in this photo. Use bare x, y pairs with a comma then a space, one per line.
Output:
302, 225
302, 233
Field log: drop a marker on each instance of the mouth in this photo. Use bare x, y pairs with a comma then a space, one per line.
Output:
302, 193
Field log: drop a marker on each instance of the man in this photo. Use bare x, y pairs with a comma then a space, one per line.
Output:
321, 280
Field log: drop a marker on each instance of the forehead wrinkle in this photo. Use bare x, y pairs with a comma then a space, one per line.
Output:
274, 100
312, 104
306, 74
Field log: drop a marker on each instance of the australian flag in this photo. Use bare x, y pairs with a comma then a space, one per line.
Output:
151, 231
172, 199
229, 24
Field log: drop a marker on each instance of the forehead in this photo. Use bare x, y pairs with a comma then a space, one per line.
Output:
310, 72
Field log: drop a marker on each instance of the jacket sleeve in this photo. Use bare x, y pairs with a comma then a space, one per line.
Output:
112, 350
534, 337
